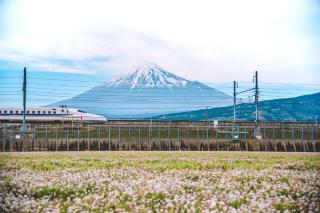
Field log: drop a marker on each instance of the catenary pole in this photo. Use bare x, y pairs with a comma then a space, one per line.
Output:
24, 90
257, 99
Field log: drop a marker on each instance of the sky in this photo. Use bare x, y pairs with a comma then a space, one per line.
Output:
206, 40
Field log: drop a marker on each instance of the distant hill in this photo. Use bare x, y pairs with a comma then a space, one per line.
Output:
302, 108
148, 90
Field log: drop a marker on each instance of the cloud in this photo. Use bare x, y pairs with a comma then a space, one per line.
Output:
202, 40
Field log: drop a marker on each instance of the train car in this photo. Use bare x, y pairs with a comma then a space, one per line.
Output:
48, 114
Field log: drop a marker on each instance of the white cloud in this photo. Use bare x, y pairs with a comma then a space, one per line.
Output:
203, 40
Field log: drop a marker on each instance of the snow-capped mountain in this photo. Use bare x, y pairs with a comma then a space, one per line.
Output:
147, 75
147, 90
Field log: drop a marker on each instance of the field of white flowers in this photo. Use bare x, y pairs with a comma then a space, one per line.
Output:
159, 182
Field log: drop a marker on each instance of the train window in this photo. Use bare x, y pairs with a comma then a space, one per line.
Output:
44, 112
5, 112
39, 112
17, 112
21, 112
54, 112
67, 111
11, 112
28, 112
0, 111
33, 112
62, 110
49, 112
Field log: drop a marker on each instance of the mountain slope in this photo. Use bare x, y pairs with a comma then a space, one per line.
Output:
147, 90
302, 108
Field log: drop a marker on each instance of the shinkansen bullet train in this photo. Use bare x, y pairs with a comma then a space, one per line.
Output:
48, 114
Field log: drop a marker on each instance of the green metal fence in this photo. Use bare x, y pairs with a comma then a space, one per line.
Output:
78, 137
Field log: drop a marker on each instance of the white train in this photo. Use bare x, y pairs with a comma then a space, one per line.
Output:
48, 114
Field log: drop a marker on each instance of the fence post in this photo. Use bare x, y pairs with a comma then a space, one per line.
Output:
245, 138
159, 138
35, 137
169, 138
254, 136
149, 146
88, 136
119, 138
99, 137
217, 140
302, 135
189, 138
264, 139
46, 135
109, 141
179, 141
292, 137
198, 143
4, 139
312, 138
129, 137
11, 139
139, 137
67, 138
227, 137
78, 141
273, 138
283, 139
208, 138
56, 143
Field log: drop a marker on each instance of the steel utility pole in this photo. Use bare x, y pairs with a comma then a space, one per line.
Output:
234, 100
256, 89
256, 99
24, 90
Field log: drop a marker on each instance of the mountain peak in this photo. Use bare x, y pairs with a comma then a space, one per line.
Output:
148, 75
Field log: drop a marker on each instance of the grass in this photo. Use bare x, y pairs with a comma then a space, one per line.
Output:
47, 161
